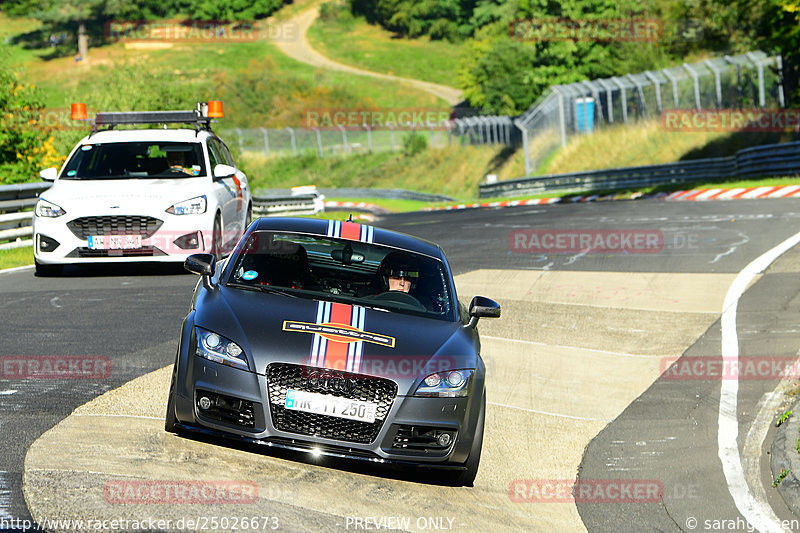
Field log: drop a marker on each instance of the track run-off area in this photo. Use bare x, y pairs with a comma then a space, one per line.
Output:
576, 384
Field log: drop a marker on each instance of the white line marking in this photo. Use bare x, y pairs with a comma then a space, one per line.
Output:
534, 343
549, 414
15, 269
120, 416
7, 392
756, 512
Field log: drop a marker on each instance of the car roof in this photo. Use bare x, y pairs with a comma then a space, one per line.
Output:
324, 228
140, 135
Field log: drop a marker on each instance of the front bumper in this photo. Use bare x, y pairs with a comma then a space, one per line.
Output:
457, 416
164, 237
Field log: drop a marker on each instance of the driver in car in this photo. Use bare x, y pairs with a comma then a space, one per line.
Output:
177, 161
399, 279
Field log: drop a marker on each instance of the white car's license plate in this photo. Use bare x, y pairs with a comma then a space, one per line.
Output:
323, 404
115, 242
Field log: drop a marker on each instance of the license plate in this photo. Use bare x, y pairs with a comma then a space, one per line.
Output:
323, 404
115, 242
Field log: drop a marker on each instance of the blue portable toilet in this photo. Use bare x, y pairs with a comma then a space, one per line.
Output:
584, 114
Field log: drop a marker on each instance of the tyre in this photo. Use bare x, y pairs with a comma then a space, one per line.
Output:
44, 271
170, 421
216, 240
467, 477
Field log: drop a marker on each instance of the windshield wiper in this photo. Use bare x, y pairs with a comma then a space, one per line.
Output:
263, 288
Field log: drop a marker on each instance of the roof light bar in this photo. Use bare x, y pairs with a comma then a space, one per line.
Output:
201, 117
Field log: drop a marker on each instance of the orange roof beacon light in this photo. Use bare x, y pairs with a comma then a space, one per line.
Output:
215, 109
78, 112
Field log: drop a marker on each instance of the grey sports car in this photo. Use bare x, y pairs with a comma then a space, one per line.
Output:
336, 339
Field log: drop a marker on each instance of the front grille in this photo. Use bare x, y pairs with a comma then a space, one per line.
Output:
281, 377
89, 253
83, 227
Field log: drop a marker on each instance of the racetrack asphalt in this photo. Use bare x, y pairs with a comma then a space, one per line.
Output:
577, 345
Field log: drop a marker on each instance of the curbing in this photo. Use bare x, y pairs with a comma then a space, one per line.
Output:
691, 195
783, 455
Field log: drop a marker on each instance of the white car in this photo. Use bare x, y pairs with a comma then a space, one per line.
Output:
142, 194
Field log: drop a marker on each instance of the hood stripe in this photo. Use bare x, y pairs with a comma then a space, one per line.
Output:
333, 354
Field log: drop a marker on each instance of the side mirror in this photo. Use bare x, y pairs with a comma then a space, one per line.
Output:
202, 264
481, 307
49, 174
224, 171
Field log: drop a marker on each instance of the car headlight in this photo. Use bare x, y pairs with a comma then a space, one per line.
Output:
48, 209
192, 206
449, 384
217, 348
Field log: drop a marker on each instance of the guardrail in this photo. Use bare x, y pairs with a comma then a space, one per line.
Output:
301, 204
773, 160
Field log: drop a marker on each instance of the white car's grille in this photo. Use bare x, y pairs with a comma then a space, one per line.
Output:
114, 225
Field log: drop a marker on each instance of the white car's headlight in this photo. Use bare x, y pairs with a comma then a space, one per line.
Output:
192, 206
217, 348
449, 384
48, 209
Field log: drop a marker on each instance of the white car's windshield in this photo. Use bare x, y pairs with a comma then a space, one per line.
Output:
130, 160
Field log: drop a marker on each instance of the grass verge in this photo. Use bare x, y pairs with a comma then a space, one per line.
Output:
352, 41
16, 257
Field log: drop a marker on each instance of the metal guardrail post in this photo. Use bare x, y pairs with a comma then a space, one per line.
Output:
674, 81
624, 99
266, 140
652, 77
760, 66
696, 79
717, 81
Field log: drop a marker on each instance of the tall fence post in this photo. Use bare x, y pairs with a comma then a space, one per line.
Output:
391, 135
369, 136
266, 140
674, 81
696, 79
320, 153
717, 81
239, 137
624, 98
760, 66
344, 139
609, 99
657, 84
561, 115
294, 142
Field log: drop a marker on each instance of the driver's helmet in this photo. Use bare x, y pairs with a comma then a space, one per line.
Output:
398, 264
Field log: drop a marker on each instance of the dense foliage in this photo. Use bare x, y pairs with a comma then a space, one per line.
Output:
504, 72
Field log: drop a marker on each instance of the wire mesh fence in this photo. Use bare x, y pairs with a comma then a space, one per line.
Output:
750, 80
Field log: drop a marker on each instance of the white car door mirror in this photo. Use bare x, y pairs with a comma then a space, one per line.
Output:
49, 174
224, 171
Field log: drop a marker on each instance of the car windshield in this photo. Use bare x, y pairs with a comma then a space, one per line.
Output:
346, 271
131, 160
